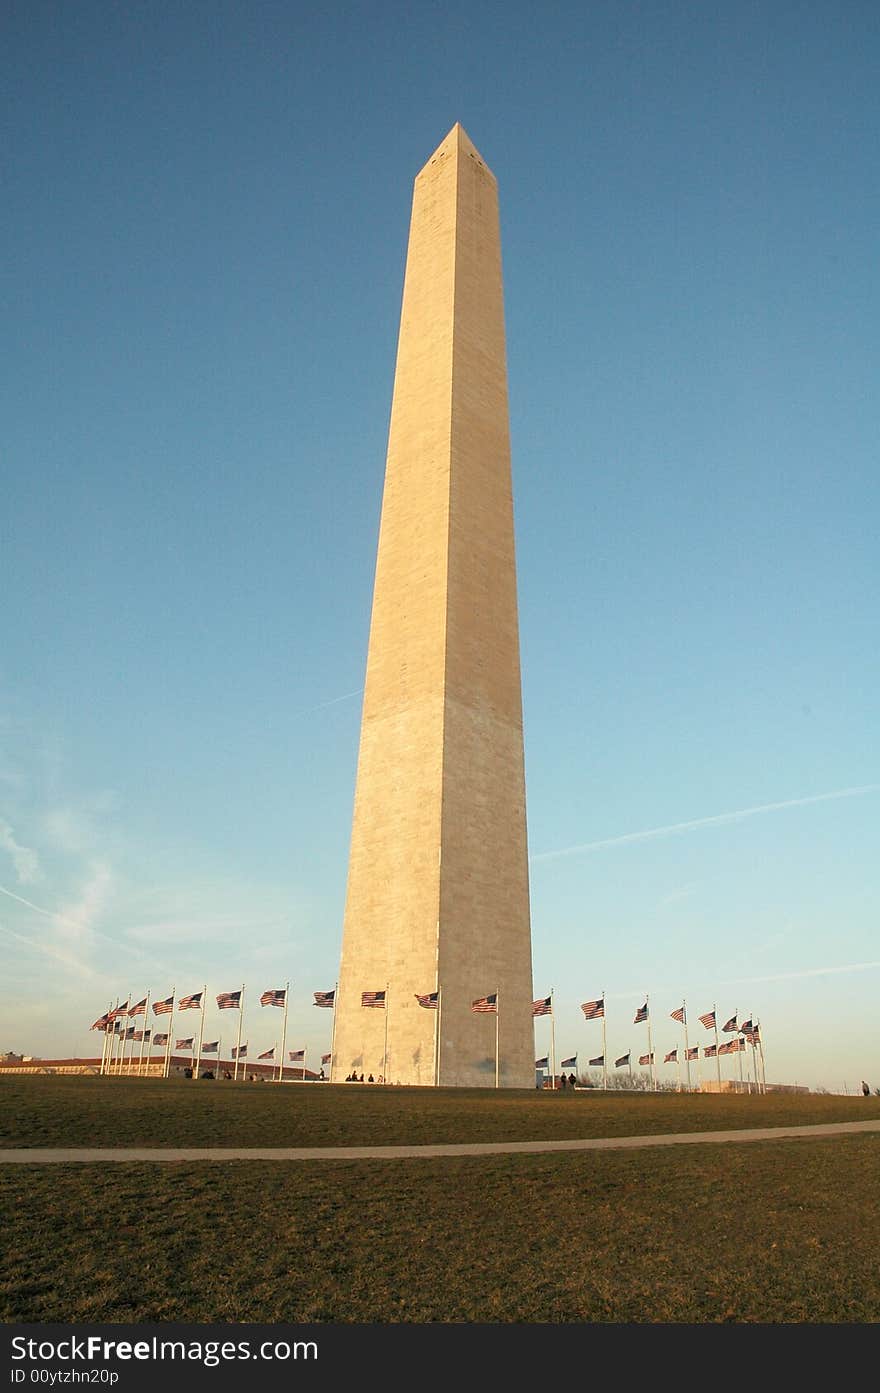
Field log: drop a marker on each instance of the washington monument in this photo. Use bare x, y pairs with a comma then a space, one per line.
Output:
437, 906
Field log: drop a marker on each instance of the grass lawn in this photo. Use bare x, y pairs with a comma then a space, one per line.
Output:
774, 1232
777, 1232
42, 1110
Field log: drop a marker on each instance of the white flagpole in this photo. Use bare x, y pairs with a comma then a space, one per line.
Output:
240, 1018
604, 1046
761, 1052
167, 1068
552, 1040
678, 1069
717, 1056
385, 1056
122, 1068
283, 1035
687, 1062
204, 1007
333, 1032
106, 1051
497, 1035
143, 1036
650, 1050
437, 1038
629, 1060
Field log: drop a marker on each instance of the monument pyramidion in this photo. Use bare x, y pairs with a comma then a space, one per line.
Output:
436, 932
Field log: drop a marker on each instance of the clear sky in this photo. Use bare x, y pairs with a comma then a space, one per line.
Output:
203, 241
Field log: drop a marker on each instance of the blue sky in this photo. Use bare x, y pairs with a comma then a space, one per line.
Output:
206, 211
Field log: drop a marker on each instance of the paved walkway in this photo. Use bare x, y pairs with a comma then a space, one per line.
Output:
47, 1156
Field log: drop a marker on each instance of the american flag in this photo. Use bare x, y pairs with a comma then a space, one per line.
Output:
160, 1039
738, 1045
598, 1062
274, 998
544, 1007
569, 1063
693, 1052
678, 1015
325, 998
593, 1010
212, 1048
101, 1023
228, 1001
671, 1057
429, 1000
141, 1035
624, 1059
297, 1056
326, 1058
641, 1014
267, 1054
140, 1009
191, 1003
709, 1051
731, 1027
162, 1008
118, 1011
239, 1053
542, 1063
486, 1003
728, 1047
708, 1020
646, 1058
184, 1044
373, 999
746, 1028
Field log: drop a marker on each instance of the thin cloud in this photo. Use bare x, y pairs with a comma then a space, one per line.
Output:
716, 821
24, 859
51, 952
78, 924
808, 972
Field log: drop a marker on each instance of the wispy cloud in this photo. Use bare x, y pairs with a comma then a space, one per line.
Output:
76, 964
87, 901
807, 972
25, 861
716, 821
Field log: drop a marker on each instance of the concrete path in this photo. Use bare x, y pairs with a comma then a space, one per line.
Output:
47, 1156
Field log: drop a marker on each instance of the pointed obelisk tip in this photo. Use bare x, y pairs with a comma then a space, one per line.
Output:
459, 142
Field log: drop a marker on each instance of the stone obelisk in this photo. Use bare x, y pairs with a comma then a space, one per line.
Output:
438, 891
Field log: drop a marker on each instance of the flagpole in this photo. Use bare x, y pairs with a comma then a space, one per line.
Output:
143, 1036
437, 1037
201, 1030
240, 1018
650, 1049
124, 1039
333, 1032
385, 1056
497, 1016
604, 1046
166, 1070
717, 1056
761, 1052
283, 1035
629, 1060
552, 1041
687, 1062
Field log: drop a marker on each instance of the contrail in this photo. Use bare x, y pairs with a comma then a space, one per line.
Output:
65, 919
715, 821
51, 952
808, 972
346, 696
